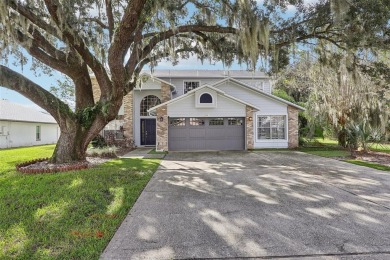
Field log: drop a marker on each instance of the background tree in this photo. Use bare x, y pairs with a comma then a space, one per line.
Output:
336, 95
115, 39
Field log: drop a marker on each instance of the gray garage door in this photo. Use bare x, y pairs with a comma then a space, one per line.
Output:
189, 134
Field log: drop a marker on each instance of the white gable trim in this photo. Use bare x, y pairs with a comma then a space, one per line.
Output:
200, 88
173, 88
242, 84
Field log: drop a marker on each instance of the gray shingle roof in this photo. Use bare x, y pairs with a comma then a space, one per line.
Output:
14, 112
208, 74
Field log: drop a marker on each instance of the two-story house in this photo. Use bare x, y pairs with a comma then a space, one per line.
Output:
188, 110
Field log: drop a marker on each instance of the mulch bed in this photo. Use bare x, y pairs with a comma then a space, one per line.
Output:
43, 165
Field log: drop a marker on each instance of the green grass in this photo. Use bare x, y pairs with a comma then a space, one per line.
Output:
156, 152
384, 148
326, 151
70, 215
329, 148
370, 164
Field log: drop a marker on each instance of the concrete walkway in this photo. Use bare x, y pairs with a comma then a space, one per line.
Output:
143, 153
137, 153
234, 205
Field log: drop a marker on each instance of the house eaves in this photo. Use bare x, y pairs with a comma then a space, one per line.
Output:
281, 100
173, 88
189, 93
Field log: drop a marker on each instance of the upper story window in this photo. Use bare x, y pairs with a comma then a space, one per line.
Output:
190, 85
147, 103
206, 98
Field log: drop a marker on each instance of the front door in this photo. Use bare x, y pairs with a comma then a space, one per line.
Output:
148, 131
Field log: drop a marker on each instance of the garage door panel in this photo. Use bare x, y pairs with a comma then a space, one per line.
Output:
206, 136
197, 145
198, 132
178, 145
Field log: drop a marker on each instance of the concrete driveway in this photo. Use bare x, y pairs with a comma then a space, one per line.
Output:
232, 205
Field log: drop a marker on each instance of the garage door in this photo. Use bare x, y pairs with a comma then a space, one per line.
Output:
189, 134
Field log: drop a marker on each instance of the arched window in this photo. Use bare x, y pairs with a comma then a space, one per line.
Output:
206, 98
147, 103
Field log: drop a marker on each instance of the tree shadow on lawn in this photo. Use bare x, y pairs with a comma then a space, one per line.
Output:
70, 215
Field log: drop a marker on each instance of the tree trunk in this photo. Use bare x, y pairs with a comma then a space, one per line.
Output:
74, 140
70, 146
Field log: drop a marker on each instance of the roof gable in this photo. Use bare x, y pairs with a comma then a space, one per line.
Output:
192, 92
270, 96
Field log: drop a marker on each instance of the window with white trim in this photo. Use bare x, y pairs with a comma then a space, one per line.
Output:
271, 127
38, 133
147, 103
190, 85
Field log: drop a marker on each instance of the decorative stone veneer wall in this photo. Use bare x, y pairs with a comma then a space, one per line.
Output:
249, 128
292, 127
128, 109
162, 129
128, 116
165, 93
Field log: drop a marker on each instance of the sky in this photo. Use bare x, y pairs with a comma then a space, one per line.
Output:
47, 81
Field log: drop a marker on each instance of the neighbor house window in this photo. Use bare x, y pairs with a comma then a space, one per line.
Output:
190, 85
271, 127
147, 103
38, 133
235, 121
196, 121
216, 121
177, 122
206, 98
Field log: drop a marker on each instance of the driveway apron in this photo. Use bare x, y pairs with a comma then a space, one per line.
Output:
229, 205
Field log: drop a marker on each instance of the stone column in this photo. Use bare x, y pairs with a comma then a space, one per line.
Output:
128, 116
292, 113
162, 129
249, 128
165, 93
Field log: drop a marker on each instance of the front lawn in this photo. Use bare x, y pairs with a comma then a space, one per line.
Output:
70, 215
370, 165
329, 148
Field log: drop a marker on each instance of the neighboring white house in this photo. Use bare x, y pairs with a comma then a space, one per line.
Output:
25, 126
186, 110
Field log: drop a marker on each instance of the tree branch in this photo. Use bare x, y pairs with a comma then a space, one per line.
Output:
38, 21
122, 40
79, 45
96, 20
110, 18
17, 82
185, 28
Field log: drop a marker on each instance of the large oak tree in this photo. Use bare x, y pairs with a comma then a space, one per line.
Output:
115, 39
